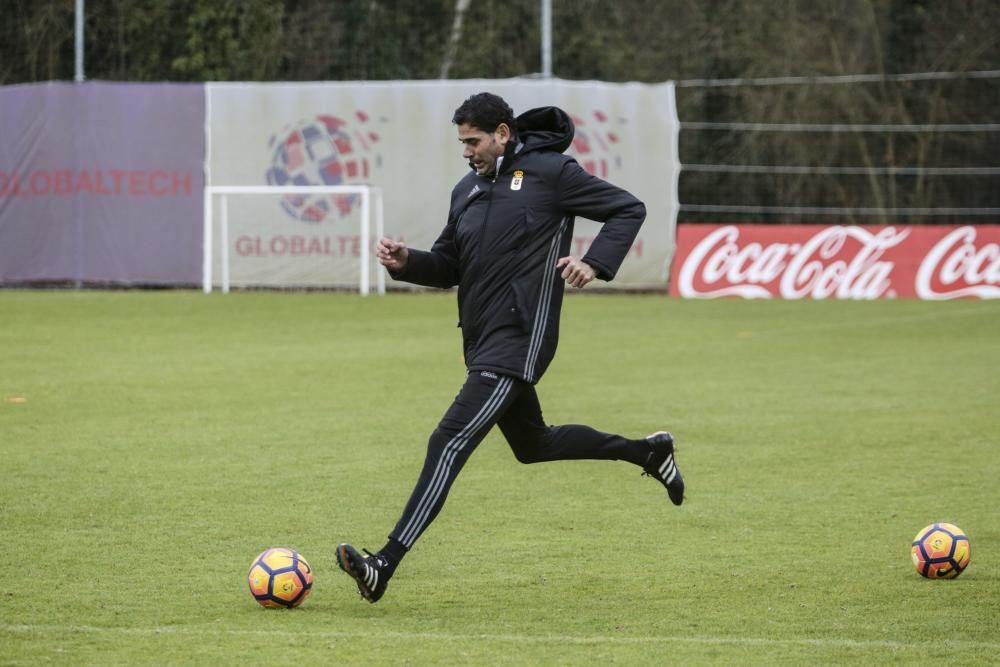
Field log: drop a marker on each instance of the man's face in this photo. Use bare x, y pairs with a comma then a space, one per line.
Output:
481, 148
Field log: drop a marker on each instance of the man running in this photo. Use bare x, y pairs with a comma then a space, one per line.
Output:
506, 245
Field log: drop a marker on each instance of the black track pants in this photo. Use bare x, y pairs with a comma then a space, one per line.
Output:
487, 399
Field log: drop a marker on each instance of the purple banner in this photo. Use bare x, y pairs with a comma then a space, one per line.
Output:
101, 182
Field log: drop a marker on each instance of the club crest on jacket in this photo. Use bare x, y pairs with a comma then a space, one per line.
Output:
515, 183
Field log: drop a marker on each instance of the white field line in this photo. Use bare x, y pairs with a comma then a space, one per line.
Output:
213, 631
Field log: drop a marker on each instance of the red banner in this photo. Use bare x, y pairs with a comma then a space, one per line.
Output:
839, 262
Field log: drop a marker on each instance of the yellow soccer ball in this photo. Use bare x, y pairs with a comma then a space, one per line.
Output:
941, 551
280, 577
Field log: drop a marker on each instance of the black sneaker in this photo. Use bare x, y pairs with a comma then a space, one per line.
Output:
371, 572
661, 465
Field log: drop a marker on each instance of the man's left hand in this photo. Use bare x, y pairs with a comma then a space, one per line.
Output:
576, 272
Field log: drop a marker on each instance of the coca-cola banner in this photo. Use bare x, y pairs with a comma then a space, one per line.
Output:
101, 182
837, 262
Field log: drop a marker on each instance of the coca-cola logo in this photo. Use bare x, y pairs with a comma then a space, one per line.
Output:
838, 261
956, 268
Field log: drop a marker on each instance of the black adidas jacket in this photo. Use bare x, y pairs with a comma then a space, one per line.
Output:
504, 236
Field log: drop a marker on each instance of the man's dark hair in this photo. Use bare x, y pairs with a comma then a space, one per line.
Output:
485, 111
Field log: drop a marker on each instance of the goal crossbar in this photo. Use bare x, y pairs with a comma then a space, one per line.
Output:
371, 202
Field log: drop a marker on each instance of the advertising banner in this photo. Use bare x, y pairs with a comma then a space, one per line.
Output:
837, 262
398, 136
101, 182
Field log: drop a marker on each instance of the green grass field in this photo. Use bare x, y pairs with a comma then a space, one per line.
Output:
153, 443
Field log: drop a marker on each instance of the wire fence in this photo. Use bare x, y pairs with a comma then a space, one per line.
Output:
872, 159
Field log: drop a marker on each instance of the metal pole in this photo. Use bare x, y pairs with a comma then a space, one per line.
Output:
78, 41
379, 233
366, 245
224, 241
206, 244
546, 39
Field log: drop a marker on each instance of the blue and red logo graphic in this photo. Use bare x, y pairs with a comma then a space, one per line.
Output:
325, 150
595, 143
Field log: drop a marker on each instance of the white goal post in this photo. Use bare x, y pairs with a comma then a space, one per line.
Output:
371, 202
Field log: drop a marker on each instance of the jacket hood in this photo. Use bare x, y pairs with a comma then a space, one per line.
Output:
545, 128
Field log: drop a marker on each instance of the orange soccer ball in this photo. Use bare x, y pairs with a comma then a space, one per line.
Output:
941, 551
280, 577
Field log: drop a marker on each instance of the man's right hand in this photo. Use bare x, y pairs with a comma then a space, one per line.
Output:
391, 254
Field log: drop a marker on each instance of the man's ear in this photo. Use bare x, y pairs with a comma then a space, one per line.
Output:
503, 133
